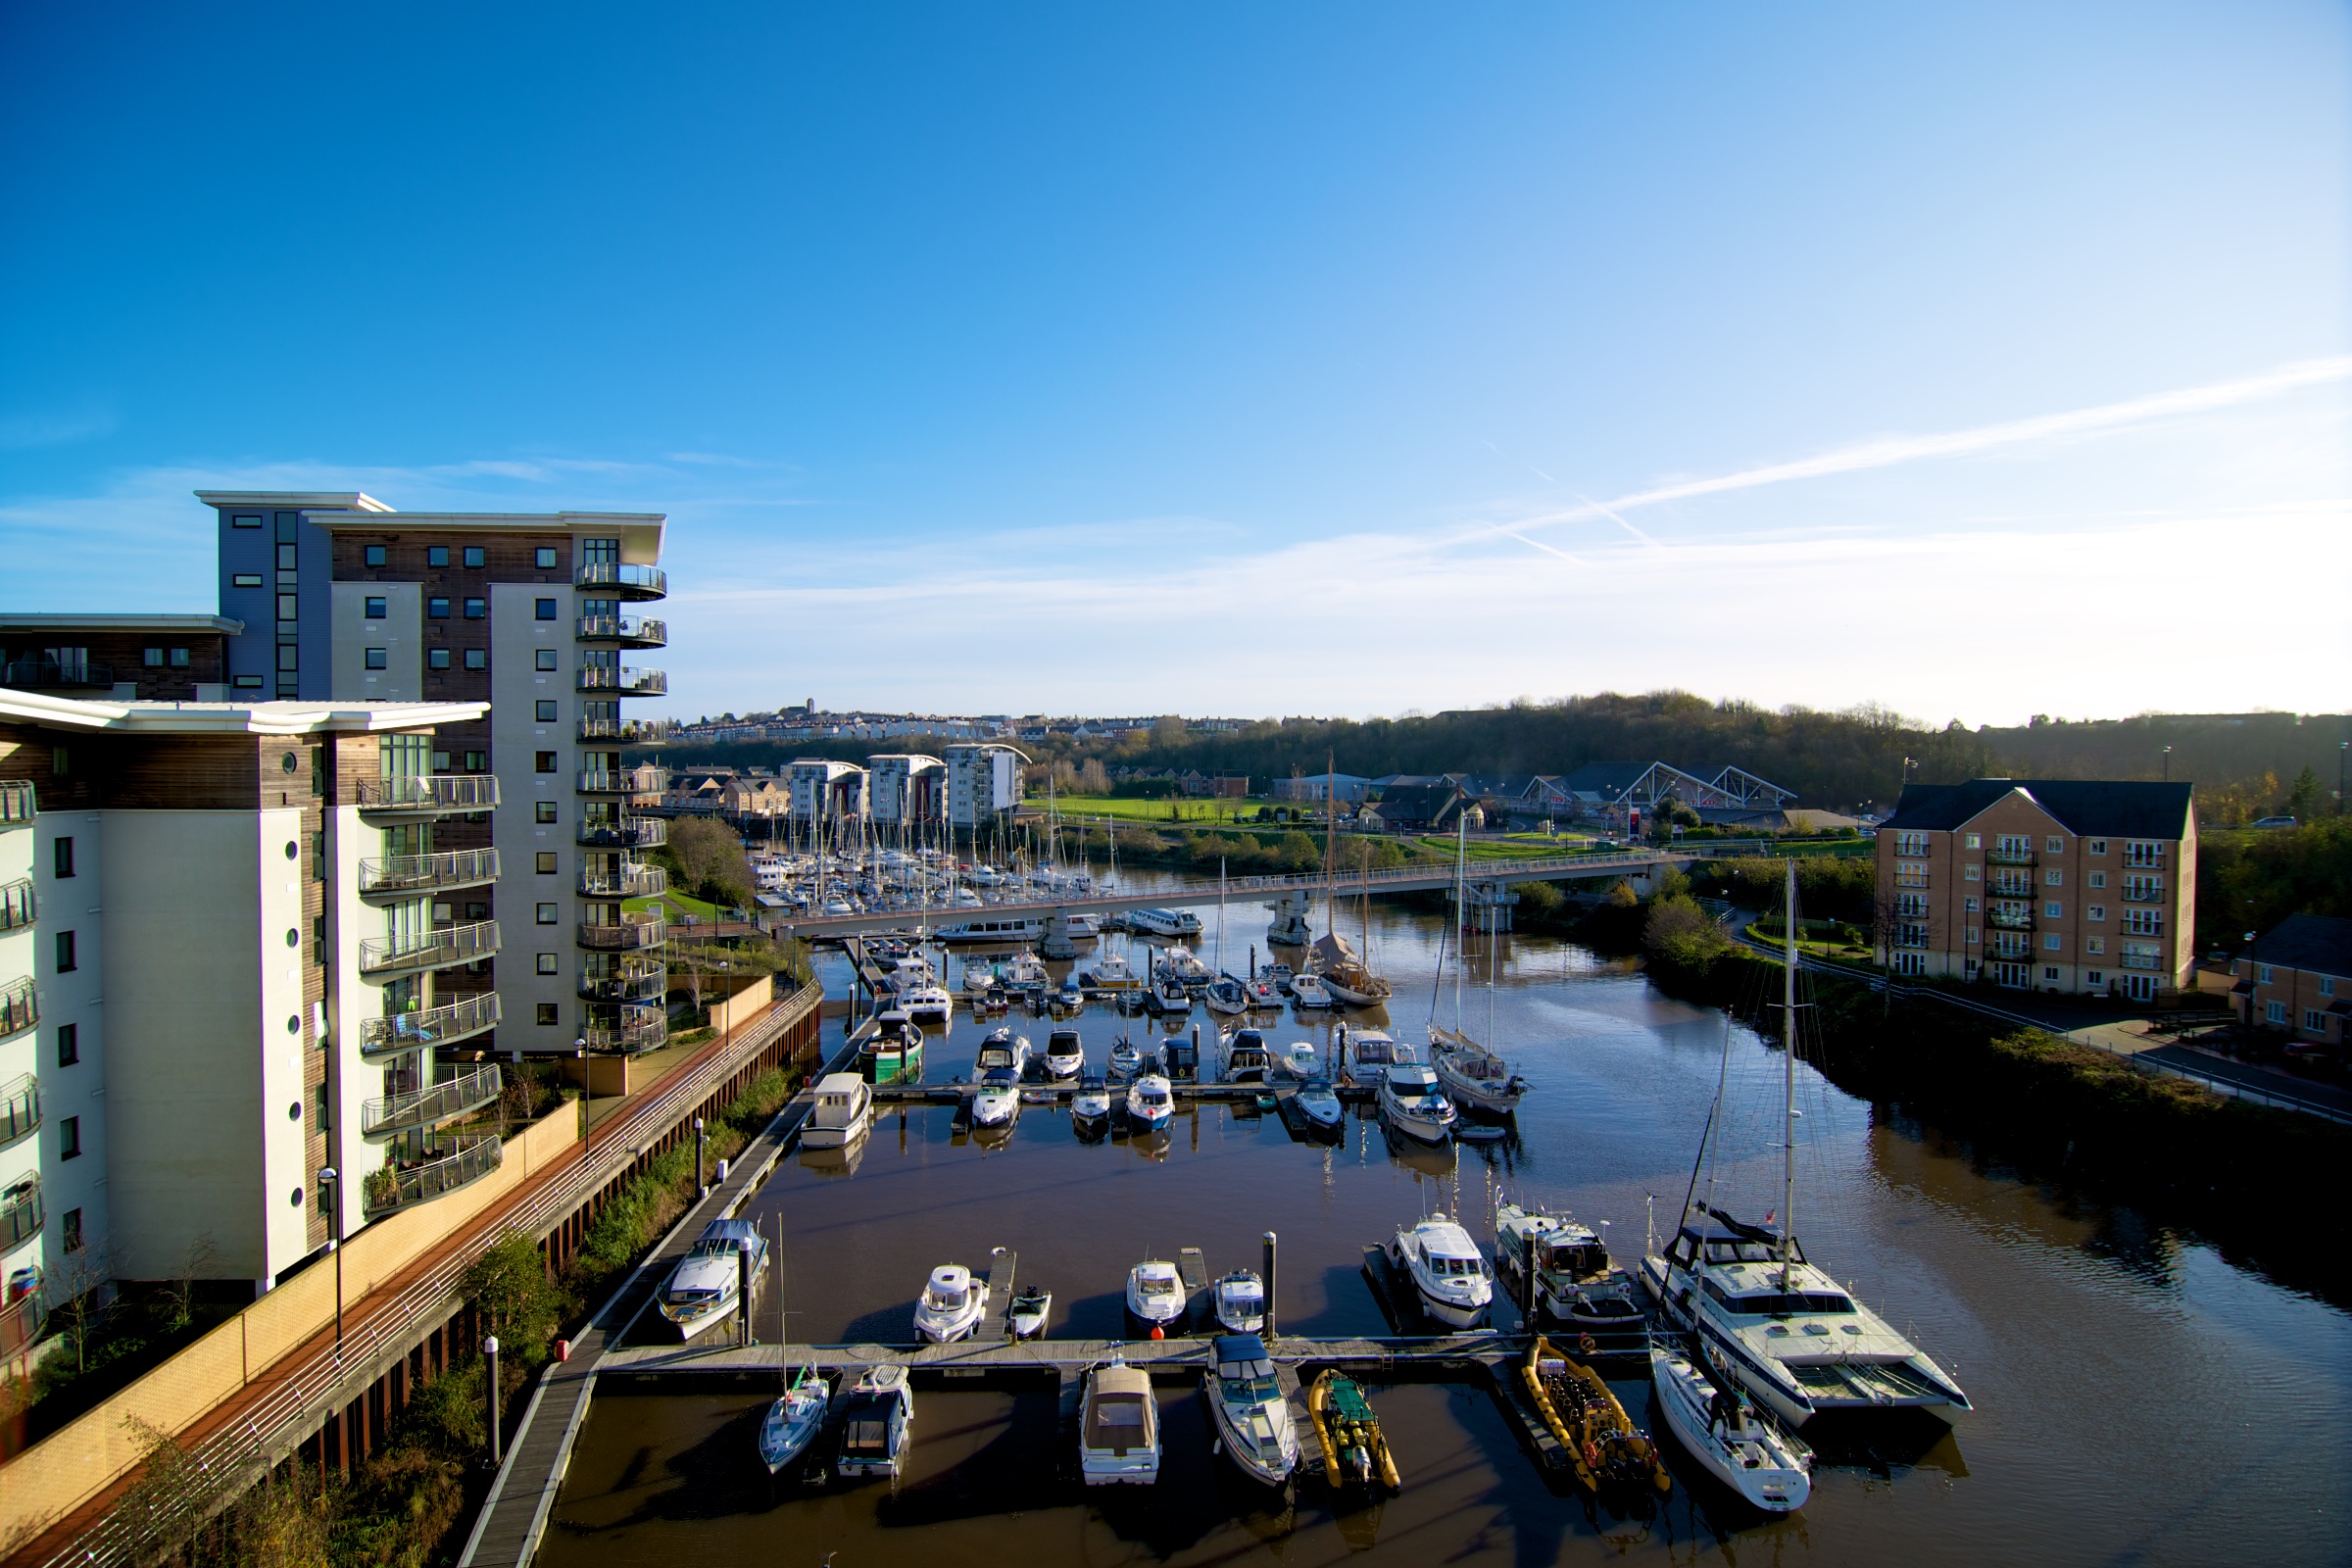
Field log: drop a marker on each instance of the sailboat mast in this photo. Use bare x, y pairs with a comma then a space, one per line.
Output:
1462, 910
1788, 1075
1331, 818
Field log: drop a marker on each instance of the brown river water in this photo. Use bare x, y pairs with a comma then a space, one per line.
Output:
2139, 1398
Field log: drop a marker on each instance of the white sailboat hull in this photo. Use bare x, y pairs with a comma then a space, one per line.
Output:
1767, 1469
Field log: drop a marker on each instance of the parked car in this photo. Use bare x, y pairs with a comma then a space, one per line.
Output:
2276, 821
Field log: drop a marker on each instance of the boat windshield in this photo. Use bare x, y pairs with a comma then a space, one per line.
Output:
1155, 1285
1779, 1303
940, 1301
1252, 1381
1457, 1268
866, 1430
718, 1248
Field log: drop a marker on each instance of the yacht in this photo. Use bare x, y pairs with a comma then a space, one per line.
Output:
1025, 971
1301, 1059
1001, 1048
1082, 927
1111, 972
1155, 1294
844, 1110
952, 1304
1226, 994
1170, 999
1125, 1060
1118, 1428
1414, 1104
1472, 1074
997, 1099
1575, 1281
894, 1053
1164, 922
990, 926
1277, 975
1182, 965
1345, 974
707, 1281
1091, 1105
1072, 996
1065, 1055
1150, 1103
1261, 994
1320, 1105
877, 1423
1241, 1301
1247, 1059
1448, 1270
1252, 1417
794, 1420
1367, 1055
1740, 1445
929, 1004
1308, 992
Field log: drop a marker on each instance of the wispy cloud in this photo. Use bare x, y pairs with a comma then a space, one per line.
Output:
20, 432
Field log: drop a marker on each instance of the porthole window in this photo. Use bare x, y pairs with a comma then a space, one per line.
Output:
294, 1111
289, 762
294, 1023
293, 849
296, 1200
293, 938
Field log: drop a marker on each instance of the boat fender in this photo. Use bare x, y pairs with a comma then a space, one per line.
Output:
1158, 1333
1592, 1455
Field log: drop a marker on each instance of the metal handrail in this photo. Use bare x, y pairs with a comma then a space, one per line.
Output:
417, 874
634, 932
429, 792
435, 1102
20, 904
2133, 894
2009, 857
17, 804
20, 1107
429, 950
642, 630
21, 1219
652, 582
627, 731
642, 1033
636, 832
37, 671
632, 881
607, 781
474, 1158
20, 1006
405, 1032
623, 680
22, 1321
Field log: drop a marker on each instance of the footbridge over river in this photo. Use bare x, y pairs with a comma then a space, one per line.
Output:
1488, 882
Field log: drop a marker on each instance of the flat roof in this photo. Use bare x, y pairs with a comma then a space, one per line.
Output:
30, 622
355, 509
294, 500
282, 718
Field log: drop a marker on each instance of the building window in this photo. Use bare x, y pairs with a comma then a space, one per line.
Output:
248, 683
2096, 912
69, 1138
2053, 845
2094, 846
1910, 873
1969, 873
436, 659
1972, 841
546, 863
379, 659
179, 659
2095, 879
478, 659
68, 1044
544, 558
547, 914
2049, 973
289, 657
374, 555
2315, 1021
543, 811
545, 610
2143, 923
285, 557
1914, 844
1972, 936
2274, 1012
441, 914
543, 711
478, 909
2093, 977
477, 609
544, 658
2053, 910
245, 579
2326, 985
68, 1228
546, 1012
61, 852
436, 609
2143, 851
477, 761
1968, 906
154, 659
245, 519
547, 963
546, 762
289, 608
65, 953
2263, 973
2053, 879
375, 607
474, 555
436, 554
2051, 942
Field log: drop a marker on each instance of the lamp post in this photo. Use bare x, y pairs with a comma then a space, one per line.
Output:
333, 1181
490, 1349
2343, 749
2168, 764
700, 1188
2253, 979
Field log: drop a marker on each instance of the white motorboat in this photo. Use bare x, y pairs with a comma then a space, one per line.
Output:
997, 1099
1183, 964
793, 1422
844, 1110
929, 1004
1003, 1050
1277, 975
1301, 1059
994, 926
952, 1304
1367, 1055
1738, 1445
1064, 1054
1164, 922
1170, 999
1241, 1301
707, 1284
1575, 1281
1247, 1059
1082, 927
1253, 1420
1414, 1104
1026, 972
1261, 994
1092, 1103
1112, 973
979, 979
1118, 1428
1448, 1272
1320, 1105
1125, 1060
877, 1423
1227, 996
1472, 1074
1783, 1329
1026, 1317
1150, 1103
1155, 1294
1309, 994
1071, 996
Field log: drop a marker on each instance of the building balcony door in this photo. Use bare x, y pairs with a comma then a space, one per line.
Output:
2016, 976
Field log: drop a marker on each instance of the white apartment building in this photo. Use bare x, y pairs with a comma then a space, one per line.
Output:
820, 790
984, 782
905, 789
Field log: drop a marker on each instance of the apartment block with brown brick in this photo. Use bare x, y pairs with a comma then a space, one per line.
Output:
2295, 979
2077, 887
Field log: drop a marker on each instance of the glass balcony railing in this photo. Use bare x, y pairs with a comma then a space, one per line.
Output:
2011, 856
19, 904
634, 934
632, 631
627, 980
625, 731
632, 881
640, 832
428, 950
74, 675
620, 680
22, 1321
425, 873
20, 1006
2143, 895
467, 1160
429, 795
20, 1214
405, 1032
621, 580
17, 804
637, 1029
20, 1107
431, 1105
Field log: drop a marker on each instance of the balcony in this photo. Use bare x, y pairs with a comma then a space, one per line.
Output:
634, 934
430, 1106
428, 950
620, 580
404, 874
622, 681
431, 795
467, 1160
55, 674
2141, 960
405, 1032
624, 731
20, 1107
631, 632
21, 1215
17, 806
22, 1321
636, 833
2000, 857
2139, 894
628, 981
20, 1007
632, 881
638, 1029
2009, 919
2011, 887
602, 781
18, 906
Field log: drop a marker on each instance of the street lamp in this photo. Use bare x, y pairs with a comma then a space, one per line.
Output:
2168, 764
698, 1140
333, 1183
2253, 980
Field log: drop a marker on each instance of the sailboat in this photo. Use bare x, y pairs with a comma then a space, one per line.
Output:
1471, 1072
1779, 1326
1342, 970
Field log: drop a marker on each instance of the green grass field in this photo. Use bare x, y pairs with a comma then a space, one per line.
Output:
676, 905
1195, 814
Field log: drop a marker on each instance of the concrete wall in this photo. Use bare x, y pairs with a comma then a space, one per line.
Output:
67, 904
517, 735
401, 634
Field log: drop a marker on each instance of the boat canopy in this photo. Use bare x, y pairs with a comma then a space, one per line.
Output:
1243, 1355
1332, 951
729, 1232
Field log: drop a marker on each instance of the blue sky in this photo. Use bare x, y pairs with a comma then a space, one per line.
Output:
1247, 360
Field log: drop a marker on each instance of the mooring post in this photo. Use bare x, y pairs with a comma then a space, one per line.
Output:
1527, 1281
700, 1188
1269, 1285
490, 1349
743, 1293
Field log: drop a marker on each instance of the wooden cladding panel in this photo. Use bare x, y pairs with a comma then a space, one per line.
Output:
505, 557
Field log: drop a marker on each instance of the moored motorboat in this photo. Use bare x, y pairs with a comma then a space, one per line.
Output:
1737, 1444
1064, 1054
952, 1304
844, 1110
1226, 996
1319, 1104
1366, 1054
1355, 1452
1025, 1318
1155, 1294
794, 1420
1118, 1428
707, 1284
1150, 1102
1170, 1000
1252, 1418
997, 1099
1091, 1105
1448, 1272
1309, 994
930, 1006
1575, 1281
1301, 1059
1241, 1301
877, 1423
1111, 973
1247, 1059
1605, 1447
1414, 1104
1002, 1050
894, 1053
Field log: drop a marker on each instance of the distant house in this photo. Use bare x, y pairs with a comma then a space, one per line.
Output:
1346, 787
1426, 807
2297, 979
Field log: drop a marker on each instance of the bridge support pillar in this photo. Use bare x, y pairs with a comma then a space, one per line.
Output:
1486, 907
1291, 926
1058, 943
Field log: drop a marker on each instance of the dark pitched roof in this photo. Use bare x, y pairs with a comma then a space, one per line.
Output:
2116, 809
2319, 942
1418, 803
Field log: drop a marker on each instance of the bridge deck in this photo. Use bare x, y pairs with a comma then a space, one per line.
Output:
1172, 1358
